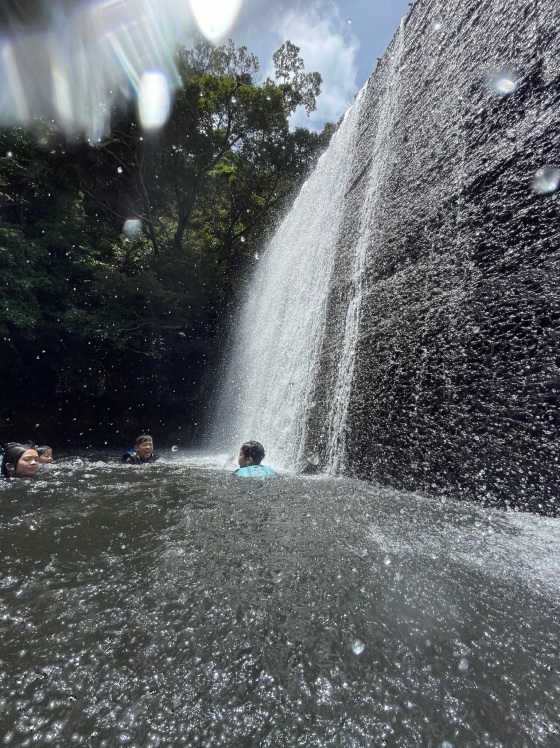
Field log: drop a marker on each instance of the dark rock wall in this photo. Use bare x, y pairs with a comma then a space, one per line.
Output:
457, 377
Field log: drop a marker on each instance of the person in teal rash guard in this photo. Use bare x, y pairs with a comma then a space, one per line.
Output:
249, 459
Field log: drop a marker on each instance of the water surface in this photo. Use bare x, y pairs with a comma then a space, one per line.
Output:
175, 605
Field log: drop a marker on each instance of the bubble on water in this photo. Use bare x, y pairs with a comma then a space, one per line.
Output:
502, 82
132, 228
257, 256
348, 21
436, 25
463, 664
278, 577
233, 100
446, 744
9, 154
241, 238
387, 561
154, 100
174, 448
358, 646
546, 180
119, 170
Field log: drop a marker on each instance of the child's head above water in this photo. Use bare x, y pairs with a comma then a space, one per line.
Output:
144, 446
45, 454
250, 453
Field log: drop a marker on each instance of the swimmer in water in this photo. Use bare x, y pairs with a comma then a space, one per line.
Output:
142, 453
19, 460
45, 455
250, 455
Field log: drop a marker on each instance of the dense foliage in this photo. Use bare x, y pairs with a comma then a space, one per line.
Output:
122, 259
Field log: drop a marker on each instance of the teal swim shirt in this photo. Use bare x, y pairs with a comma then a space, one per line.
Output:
255, 471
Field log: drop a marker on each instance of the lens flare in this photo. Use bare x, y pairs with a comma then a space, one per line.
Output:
215, 17
100, 53
154, 100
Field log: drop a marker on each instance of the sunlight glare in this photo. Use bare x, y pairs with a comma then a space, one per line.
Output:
215, 17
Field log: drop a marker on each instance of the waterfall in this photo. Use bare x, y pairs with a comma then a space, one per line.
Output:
403, 321
381, 157
269, 382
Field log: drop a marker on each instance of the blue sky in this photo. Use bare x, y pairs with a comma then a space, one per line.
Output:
88, 53
340, 38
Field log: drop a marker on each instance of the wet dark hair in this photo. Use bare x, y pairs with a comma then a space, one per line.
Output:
143, 439
11, 452
253, 450
43, 449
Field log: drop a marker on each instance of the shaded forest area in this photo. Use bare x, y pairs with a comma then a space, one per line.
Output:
123, 259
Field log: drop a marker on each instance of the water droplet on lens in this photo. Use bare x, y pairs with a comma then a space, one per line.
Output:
502, 82
174, 448
505, 85
358, 646
132, 228
546, 180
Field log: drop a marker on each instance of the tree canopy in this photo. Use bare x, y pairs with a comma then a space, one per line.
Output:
123, 259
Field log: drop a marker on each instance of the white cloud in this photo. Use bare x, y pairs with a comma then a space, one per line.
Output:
327, 45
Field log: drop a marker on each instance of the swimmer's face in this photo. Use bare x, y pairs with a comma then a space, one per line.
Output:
46, 457
144, 450
242, 460
27, 465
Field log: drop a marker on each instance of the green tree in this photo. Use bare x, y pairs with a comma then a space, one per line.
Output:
298, 88
107, 322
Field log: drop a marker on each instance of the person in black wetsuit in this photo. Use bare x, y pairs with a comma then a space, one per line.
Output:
142, 453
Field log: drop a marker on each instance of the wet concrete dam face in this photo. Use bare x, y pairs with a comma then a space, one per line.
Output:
441, 344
